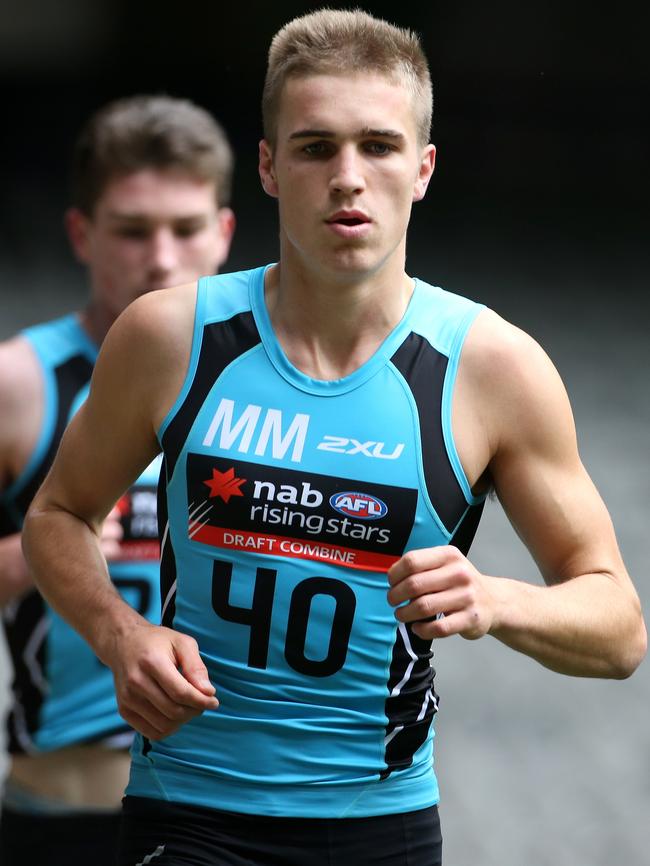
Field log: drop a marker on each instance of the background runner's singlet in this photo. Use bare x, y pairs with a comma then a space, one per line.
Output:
62, 694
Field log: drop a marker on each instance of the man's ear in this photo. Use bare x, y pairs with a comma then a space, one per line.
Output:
225, 229
427, 164
267, 173
77, 226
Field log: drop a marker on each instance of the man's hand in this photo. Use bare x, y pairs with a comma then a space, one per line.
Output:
160, 680
441, 582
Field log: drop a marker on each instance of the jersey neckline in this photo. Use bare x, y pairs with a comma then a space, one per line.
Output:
323, 387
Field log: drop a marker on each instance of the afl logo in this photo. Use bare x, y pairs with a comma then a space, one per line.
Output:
360, 505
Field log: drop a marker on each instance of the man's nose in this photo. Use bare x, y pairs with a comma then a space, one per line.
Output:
347, 176
163, 250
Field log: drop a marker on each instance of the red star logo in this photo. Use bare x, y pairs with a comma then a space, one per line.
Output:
224, 484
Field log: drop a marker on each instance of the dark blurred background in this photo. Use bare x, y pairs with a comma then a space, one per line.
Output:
539, 208
540, 119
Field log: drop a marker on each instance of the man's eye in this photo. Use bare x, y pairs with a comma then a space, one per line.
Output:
133, 233
379, 148
316, 148
187, 231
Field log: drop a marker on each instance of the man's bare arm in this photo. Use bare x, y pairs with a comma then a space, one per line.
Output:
21, 398
106, 446
587, 621
15, 579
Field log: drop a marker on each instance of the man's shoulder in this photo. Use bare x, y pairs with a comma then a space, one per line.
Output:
19, 367
154, 331
155, 318
512, 378
497, 346
491, 342
174, 307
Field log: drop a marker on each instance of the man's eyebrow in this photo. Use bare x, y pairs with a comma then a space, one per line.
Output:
368, 132
134, 216
312, 133
365, 132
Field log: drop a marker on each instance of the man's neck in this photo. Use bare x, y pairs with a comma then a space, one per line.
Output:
330, 328
96, 322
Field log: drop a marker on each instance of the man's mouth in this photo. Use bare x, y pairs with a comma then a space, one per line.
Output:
348, 218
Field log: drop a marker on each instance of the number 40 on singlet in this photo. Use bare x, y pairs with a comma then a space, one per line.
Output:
258, 618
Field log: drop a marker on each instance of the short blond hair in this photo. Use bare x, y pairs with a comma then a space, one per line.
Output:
335, 41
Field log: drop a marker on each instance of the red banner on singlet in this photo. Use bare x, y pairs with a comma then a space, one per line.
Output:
294, 548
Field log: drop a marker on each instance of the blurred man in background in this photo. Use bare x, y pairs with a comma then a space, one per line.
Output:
151, 179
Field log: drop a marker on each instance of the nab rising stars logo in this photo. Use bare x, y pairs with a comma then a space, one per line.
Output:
361, 505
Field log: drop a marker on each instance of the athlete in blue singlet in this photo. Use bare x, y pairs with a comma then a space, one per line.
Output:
329, 429
62, 695
286, 501
149, 184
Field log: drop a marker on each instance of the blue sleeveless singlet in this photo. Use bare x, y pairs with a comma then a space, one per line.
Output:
283, 501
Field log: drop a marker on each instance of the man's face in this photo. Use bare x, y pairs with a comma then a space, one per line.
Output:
150, 230
346, 168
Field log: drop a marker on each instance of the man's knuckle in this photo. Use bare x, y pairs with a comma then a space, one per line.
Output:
178, 713
464, 576
188, 642
442, 627
468, 596
426, 605
149, 661
410, 560
413, 585
132, 684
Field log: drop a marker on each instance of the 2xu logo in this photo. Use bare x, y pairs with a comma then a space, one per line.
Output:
360, 505
341, 445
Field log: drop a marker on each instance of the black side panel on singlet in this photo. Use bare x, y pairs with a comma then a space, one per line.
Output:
24, 626
167, 557
221, 344
424, 369
466, 529
24, 623
7, 523
412, 701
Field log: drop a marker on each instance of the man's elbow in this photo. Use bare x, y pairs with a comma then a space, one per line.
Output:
35, 525
631, 652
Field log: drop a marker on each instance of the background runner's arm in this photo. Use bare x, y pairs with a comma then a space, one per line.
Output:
103, 450
14, 574
18, 394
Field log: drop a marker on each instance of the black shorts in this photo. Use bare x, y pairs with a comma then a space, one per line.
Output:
160, 833
73, 839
